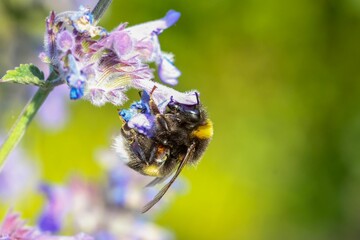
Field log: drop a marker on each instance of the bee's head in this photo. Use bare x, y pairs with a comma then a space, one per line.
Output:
191, 112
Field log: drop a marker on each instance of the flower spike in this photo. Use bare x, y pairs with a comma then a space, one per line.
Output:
101, 66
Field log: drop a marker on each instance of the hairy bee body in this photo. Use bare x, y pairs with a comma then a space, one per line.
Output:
178, 136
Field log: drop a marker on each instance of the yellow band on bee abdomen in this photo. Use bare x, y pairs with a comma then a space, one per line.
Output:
204, 131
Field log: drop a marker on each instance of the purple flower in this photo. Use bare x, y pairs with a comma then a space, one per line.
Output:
13, 228
143, 123
102, 69
54, 211
147, 43
65, 41
107, 210
163, 95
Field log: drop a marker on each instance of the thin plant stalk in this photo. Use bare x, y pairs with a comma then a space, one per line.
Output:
19, 128
100, 9
21, 124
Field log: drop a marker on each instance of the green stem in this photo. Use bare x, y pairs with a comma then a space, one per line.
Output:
30, 110
100, 9
24, 119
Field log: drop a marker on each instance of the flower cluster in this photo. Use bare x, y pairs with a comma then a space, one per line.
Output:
105, 210
14, 228
100, 66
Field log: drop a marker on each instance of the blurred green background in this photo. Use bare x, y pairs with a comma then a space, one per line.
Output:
280, 80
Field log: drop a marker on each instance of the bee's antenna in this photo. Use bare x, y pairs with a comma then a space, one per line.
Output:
197, 98
153, 89
153, 107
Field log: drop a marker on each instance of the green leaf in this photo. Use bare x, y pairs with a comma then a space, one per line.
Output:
25, 74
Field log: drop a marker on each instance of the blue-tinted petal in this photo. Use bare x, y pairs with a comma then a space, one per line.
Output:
168, 73
48, 222
76, 93
143, 123
146, 29
73, 66
127, 114
171, 17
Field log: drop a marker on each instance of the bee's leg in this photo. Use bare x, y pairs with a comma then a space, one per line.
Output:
162, 122
136, 148
127, 132
153, 154
153, 107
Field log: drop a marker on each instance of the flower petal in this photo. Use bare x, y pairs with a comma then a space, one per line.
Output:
146, 29
162, 95
65, 41
122, 43
168, 73
143, 123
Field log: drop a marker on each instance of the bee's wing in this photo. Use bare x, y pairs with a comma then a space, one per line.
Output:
159, 180
168, 185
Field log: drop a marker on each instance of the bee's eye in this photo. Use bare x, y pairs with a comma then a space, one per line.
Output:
194, 114
175, 107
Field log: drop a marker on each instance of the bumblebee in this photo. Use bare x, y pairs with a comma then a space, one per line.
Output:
178, 136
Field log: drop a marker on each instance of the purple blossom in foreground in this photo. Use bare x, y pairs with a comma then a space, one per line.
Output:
13, 228
54, 211
101, 66
105, 210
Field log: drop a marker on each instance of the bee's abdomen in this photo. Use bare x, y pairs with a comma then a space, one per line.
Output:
204, 131
201, 136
